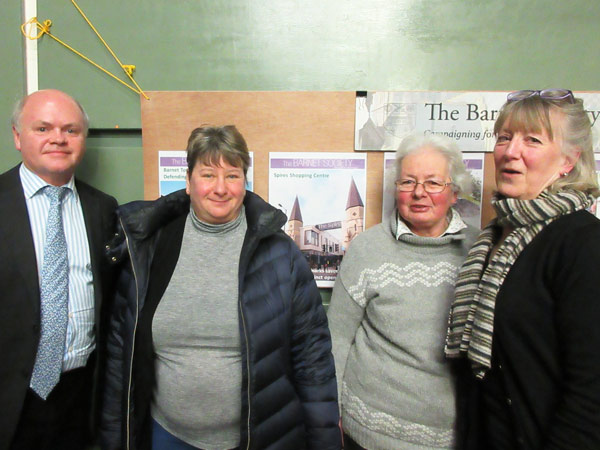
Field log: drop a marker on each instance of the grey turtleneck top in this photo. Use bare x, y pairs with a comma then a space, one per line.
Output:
196, 338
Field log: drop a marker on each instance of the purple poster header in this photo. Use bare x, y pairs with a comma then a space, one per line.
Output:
316, 163
173, 161
473, 164
177, 161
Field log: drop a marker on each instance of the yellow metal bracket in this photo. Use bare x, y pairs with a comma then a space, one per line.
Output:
44, 28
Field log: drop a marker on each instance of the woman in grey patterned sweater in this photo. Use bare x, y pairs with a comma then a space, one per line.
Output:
390, 305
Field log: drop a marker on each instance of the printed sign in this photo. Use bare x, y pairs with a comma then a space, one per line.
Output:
383, 119
322, 195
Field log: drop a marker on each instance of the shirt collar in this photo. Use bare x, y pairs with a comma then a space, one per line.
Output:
32, 183
456, 224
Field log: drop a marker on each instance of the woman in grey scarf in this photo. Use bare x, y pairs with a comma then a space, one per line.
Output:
526, 311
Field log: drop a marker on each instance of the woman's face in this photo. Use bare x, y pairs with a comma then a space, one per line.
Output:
424, 213
216, 192
527, 163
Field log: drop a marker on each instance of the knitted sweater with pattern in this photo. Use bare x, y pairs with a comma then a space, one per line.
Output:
388, 320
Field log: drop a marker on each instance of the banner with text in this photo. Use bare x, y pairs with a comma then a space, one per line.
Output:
383, 119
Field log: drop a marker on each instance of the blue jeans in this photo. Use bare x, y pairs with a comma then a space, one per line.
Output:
163, 440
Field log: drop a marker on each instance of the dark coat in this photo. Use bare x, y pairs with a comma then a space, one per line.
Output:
289, 402
20, 301
546, 346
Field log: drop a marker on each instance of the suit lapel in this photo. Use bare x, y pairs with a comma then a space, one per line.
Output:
93, 227
15, 230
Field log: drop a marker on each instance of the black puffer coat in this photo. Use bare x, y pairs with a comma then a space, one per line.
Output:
288, 401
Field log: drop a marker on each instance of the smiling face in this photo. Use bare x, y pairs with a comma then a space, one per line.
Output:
425, 214
527, 162
216, 191
51, 136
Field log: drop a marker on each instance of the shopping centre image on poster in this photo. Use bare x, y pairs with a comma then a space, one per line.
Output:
323, 197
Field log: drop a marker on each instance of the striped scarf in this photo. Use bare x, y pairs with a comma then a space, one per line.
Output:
471, 321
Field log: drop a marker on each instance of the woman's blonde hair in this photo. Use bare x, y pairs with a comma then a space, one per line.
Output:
534, 114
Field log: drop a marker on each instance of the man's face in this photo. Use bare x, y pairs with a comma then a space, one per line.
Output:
51, 136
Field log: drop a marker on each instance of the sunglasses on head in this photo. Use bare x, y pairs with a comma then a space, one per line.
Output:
547, 94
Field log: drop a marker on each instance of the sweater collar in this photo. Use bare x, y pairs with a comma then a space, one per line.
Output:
217, 228
402, 233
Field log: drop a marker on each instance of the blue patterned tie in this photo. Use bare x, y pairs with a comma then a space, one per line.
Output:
54, 295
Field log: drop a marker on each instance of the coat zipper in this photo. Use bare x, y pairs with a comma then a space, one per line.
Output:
247, 368
137, 301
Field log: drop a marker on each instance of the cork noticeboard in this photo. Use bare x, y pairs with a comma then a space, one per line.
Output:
270, 122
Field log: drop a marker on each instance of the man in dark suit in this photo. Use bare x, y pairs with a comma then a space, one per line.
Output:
53, 278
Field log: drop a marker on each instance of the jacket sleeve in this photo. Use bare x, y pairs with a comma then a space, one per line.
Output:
112, 415
577, 314
345, 316
313, 366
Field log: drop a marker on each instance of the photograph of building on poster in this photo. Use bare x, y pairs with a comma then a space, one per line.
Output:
322, 195
172, 170
469, 207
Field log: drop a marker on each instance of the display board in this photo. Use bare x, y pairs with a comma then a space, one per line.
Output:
270, 122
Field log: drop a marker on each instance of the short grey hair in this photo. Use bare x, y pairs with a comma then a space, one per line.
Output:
462, 182
15, 120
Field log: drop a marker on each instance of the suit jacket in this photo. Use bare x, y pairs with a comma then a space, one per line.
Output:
20, 294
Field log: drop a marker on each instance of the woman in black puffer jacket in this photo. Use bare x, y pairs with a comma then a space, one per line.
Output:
208, 354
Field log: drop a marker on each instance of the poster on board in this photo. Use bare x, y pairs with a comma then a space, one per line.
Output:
383, 119
596, 206
323, 196
468, 207
172, 170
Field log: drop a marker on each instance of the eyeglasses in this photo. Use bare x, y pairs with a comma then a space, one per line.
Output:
430, 186
547, 94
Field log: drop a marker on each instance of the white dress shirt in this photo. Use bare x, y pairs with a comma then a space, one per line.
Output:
80, 341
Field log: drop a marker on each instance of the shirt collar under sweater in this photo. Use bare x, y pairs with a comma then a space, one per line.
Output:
403, 233
219, 228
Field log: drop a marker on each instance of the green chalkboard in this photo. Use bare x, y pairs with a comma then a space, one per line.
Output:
113, 164
318, 45
12, 76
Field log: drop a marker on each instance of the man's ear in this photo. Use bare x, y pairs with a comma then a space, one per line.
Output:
17, 138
